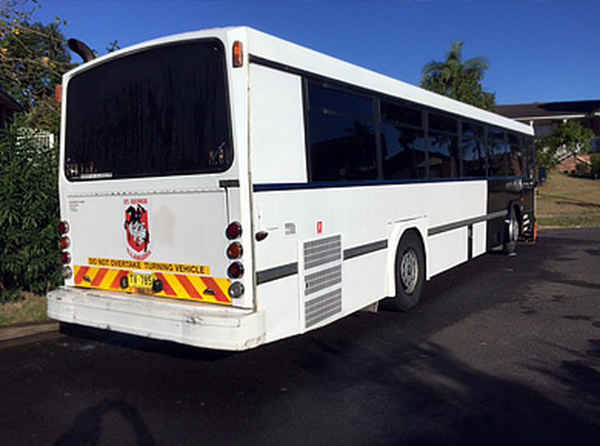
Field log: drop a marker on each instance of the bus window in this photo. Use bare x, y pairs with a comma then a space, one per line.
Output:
403, 142
529, 157
442, 137
516, 156
161, 111
499, 153
342, 136
473, 150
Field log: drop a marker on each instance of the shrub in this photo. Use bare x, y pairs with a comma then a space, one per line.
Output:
29, 213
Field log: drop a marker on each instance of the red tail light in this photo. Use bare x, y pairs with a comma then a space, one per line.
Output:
235, 270
63, 227
65, 242
234, 230
235, 250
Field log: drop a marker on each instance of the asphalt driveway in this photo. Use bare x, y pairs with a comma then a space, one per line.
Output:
503, 350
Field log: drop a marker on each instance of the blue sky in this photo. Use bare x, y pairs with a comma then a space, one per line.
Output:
538, 50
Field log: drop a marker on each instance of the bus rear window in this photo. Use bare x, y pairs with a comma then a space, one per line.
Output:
160, 111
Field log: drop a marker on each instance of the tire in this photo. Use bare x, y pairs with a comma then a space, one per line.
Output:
409, 283
511, 232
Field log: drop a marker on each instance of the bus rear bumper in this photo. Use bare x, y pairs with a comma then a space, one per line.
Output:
192, 323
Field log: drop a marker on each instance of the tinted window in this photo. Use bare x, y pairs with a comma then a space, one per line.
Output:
402, 141
529, 157
342, 137
442, 123
443, 146
516, 156
161, 111
402, 116
473, 150
499, 153
443, 155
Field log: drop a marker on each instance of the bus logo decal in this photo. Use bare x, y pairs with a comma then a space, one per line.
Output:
137, 229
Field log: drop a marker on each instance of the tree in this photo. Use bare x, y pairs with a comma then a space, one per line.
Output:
458, 79
34, 56
569, 139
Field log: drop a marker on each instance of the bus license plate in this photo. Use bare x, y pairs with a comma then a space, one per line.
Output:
143, 281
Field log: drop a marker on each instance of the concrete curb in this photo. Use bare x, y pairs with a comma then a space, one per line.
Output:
25, 330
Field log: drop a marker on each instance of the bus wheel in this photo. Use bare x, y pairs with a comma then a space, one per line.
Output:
410, 272
511, 232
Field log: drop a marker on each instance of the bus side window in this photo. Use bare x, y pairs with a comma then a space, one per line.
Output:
442, 137
499, 151
342, 135
402, 141
473, 150
516, 156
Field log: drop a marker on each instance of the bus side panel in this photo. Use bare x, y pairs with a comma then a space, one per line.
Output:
364, 216
276, 127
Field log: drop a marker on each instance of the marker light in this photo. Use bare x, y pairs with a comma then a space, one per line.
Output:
236, 289
235, 250
65, 242
261, 235
65, 257
63, 227
234, 230
235, 270
238, 54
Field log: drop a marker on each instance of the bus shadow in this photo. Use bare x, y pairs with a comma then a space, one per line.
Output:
140, 343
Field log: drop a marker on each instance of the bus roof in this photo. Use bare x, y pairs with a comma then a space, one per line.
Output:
283, 52
286, 53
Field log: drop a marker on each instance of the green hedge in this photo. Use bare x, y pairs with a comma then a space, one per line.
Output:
29, 214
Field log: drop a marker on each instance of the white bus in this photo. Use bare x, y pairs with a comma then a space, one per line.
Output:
226, 188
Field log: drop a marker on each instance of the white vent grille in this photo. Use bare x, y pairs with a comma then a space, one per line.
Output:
322, 279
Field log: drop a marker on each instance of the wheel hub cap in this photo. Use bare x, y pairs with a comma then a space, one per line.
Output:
409, 271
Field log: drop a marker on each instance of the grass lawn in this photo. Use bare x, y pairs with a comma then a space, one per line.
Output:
32, 308
568, 201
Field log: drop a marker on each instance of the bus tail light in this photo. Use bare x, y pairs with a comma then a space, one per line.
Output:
67, 272
65, 242
238, 54
63, 227
65, 257
234, 230
236, 289
235, 270
235, 250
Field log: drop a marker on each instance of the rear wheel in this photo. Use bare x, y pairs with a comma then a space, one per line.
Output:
511, 232
410, 272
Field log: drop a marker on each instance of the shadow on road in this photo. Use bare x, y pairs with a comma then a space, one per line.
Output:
87, 426
368, 379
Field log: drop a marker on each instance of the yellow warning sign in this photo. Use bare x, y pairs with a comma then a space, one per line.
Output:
150, 266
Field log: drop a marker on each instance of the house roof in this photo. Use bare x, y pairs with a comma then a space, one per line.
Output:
8, 102
549, 109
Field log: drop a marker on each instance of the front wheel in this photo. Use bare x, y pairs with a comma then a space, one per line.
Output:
410, 272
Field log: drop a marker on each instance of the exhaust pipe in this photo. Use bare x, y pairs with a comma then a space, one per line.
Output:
84, 51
